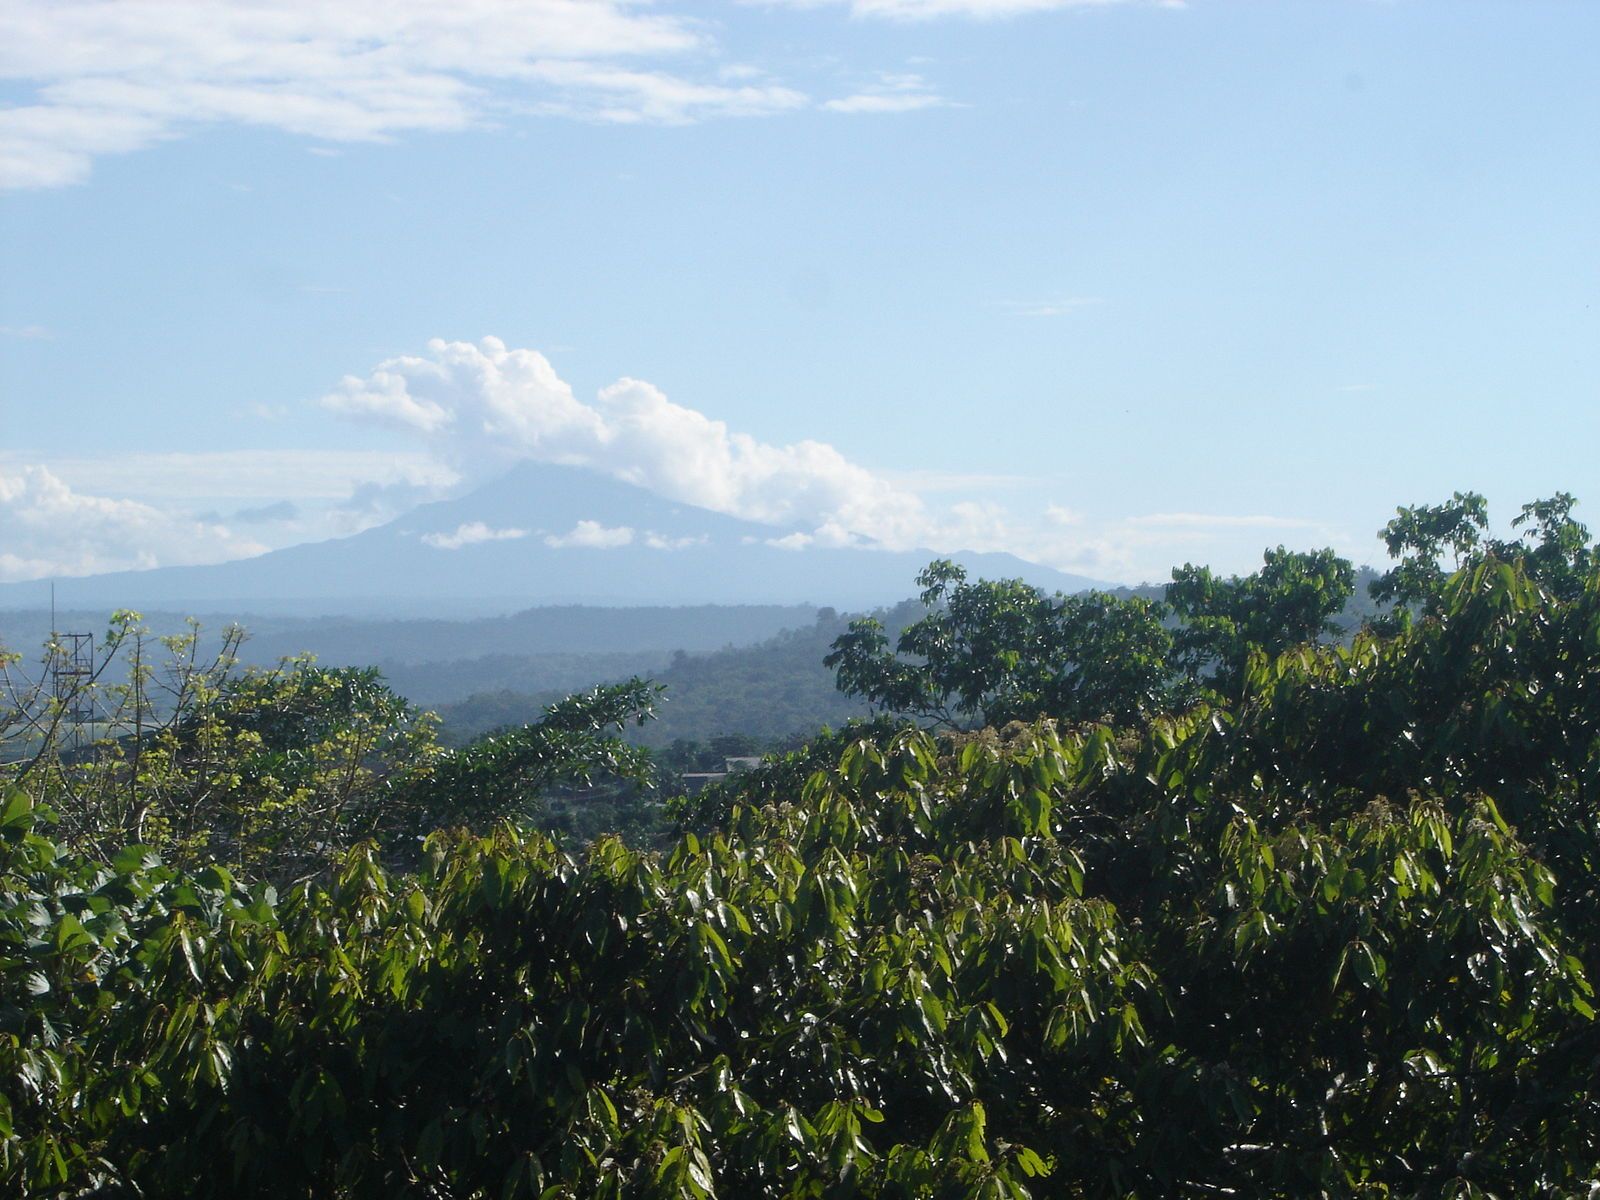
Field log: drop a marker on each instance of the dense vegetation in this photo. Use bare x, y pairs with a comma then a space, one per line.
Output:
276, 773
775, 692
1228, 905
768, 692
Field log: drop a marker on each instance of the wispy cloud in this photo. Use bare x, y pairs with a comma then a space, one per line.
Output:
617, 95
112, 78
925, 10
884, 102
28, 333
1063, 306
83, 515
891, 93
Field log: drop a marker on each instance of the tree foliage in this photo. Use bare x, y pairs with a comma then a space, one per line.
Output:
989, 652
1289, 602
773, 691
276, 772
1431, 542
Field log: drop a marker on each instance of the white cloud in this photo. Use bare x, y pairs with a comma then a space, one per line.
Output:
1063, 307
830, 535
493, 405
890, 94
28, 333
592, 535
658, 541
883, 102
922, 10
110, 78
471, 534
51, 530
792, 541
383, 398
622, 96
316, 494
487, 405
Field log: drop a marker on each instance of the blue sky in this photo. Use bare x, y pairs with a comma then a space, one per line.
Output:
1112, 285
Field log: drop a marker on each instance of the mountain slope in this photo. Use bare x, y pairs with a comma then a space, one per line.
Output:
538, 535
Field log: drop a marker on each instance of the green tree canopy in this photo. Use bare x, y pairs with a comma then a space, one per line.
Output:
989, 652
1432, 542
1288, 602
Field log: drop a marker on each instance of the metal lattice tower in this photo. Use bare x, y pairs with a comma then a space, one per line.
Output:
71, 673
71, 670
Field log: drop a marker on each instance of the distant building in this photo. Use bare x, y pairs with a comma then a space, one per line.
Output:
694, 782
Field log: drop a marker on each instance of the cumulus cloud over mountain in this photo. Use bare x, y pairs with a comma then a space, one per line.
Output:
483, 405
50, 529
475, 410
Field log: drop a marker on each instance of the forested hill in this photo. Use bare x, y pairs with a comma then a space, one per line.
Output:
545, 629
768, 691
552, 650
754, 670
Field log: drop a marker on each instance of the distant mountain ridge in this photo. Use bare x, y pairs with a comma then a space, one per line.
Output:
540, 534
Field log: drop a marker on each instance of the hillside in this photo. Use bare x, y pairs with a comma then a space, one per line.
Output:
769, 692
